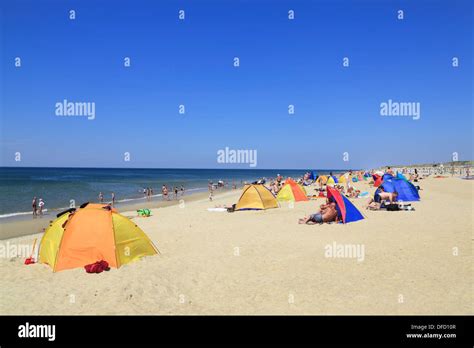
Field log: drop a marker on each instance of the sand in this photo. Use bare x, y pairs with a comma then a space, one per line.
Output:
263, 262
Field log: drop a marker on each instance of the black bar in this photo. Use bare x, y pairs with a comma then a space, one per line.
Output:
262, 330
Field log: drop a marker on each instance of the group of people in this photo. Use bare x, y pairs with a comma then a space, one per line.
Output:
101, 198
38, 206
175, 190
147, 193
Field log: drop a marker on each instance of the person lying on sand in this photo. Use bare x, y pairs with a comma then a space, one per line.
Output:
328, 213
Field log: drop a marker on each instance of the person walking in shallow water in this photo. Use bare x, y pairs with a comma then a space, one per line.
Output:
34, 204
113, 199
101, 197
41, 205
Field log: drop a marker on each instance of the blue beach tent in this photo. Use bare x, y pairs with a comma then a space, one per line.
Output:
407, 192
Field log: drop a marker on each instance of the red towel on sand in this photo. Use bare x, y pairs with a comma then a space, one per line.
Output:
97, 267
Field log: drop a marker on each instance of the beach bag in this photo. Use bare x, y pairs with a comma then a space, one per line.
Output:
97, 267
393, 207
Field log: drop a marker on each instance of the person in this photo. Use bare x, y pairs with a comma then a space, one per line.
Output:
145, 193
182, 190
151, 192
176, 192
41, 206
210, 191
327, 213
164, 191
113, 199
380, 198
34, 206
101, 197
389, 171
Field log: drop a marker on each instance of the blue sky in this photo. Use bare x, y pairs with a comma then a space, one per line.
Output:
190, 62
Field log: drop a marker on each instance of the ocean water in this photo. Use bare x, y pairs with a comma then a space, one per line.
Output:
58, 186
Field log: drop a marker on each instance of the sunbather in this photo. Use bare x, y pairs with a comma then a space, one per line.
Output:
328, 213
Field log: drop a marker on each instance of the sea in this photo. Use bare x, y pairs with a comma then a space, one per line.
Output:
59, 187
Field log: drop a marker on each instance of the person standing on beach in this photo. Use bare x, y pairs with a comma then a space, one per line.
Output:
34, 206
113, 199
151, 192
41, 205
101, 197
210, 191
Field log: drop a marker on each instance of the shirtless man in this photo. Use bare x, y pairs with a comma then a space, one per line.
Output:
328, 213
381, 196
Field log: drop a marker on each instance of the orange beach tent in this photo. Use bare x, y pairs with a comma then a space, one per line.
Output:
93, 233
291, 191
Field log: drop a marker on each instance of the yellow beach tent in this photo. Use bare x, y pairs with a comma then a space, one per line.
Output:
342, 178
256, 197
322, 179
330, 181
95, 232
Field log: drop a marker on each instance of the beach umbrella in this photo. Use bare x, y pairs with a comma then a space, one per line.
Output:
94, 232
346, 210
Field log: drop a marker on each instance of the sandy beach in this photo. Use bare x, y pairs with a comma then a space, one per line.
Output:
263, 262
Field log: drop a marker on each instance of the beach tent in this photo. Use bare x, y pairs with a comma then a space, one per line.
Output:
291, 191
312, 175
347, 211
360, 177
367, 175
407, 192
331, 180
387, 176
354, 179
256, 197
401, 176
342, 178
323, 179
94, 232
378, 181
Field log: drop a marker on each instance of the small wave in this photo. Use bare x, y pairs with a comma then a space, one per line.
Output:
2, 216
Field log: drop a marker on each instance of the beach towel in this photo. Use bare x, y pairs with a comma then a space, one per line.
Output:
217, 209
97, 267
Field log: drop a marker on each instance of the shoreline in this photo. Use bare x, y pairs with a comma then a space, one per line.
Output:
25, 225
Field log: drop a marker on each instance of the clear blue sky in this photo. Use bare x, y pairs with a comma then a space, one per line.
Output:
191, 62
